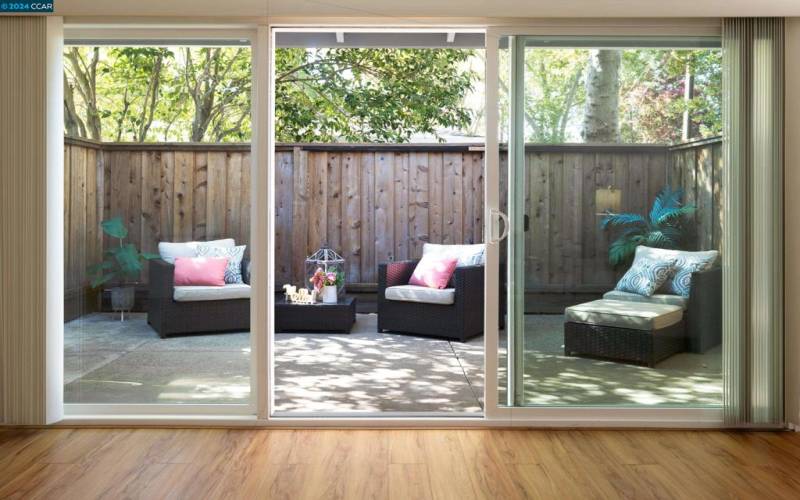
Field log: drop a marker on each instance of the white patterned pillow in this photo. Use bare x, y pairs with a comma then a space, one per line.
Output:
233, 273
686, 263
646, 275
467, 255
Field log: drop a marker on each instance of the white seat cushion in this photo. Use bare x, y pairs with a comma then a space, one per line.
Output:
467, 255
658, 298
414, 293
197, 293
625, 314
170, 251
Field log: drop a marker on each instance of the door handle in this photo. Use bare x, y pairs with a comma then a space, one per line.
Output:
496, 217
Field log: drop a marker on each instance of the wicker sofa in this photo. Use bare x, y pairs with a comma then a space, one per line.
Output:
169, 316
459, 321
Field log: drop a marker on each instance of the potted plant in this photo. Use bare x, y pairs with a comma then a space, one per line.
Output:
327, 284
121, 266
661, 228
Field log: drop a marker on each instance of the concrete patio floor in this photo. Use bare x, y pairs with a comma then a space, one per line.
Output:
108, 361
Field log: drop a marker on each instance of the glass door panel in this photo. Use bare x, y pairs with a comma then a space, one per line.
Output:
613, 145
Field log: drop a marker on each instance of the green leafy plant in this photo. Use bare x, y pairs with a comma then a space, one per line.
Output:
661, 228
122, 263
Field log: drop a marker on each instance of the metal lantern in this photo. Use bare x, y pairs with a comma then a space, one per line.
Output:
327, 260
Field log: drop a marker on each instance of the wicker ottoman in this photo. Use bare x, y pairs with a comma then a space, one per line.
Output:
630, 332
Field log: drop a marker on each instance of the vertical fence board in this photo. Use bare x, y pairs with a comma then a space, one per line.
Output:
334, 202
478, 194
77, 212
351, 218
705, 199
216, 187
537, 238
401, 214
182, 200
384, 207
368, 264
244, 203
573, 207
300, 208
199, 197
93, 218
419, 204
452, 205
556, 240
284, 210
468, 197
436, 190
233, 198
318, 220
151, 205
167, 195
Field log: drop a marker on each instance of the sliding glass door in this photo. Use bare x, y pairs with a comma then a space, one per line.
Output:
609, 161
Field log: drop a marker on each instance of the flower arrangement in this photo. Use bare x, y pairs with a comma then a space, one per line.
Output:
322, 278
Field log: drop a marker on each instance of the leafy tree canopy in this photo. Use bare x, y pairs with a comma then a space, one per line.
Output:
652, 94
322, 95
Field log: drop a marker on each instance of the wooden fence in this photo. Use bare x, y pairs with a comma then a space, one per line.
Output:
375, 203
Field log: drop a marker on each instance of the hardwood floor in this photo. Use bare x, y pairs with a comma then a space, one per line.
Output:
396, 464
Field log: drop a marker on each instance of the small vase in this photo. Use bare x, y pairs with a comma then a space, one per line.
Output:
329, 295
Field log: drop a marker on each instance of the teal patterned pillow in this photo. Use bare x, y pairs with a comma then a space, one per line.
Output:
686, 264
646, 275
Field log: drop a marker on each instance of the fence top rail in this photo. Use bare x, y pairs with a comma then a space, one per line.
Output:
244, 147
697, 143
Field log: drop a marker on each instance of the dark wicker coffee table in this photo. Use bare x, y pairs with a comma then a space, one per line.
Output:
319, 317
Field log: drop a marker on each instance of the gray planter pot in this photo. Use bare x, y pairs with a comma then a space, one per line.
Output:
122, 298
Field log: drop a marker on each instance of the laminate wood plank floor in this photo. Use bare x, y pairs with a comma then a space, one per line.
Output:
396, 464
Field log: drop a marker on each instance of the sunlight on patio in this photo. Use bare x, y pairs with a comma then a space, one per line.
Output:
126, 362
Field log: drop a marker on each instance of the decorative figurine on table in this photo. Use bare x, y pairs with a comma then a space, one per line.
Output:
301, 296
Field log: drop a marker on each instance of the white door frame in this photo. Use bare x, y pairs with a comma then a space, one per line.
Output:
581, 416
258, 413
84, 413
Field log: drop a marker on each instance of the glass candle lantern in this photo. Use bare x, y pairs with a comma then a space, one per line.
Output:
330, 262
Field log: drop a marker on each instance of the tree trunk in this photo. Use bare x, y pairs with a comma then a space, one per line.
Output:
72, 120
688, 95
85, 74
601, 117
150, 99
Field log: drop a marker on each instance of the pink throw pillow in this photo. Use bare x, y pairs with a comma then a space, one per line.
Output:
200, 271
433, 272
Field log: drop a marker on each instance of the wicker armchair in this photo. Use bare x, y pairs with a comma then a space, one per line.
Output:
459, 321
169, 317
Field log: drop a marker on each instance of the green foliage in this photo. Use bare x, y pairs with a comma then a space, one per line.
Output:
652, 101
661, 228
369, 95
156, 94
322, 95
652, 84
121, 263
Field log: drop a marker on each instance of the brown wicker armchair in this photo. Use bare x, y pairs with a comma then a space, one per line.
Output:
169, 317
459, 321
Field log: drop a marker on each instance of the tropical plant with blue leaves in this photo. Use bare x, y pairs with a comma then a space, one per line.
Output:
663, 227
